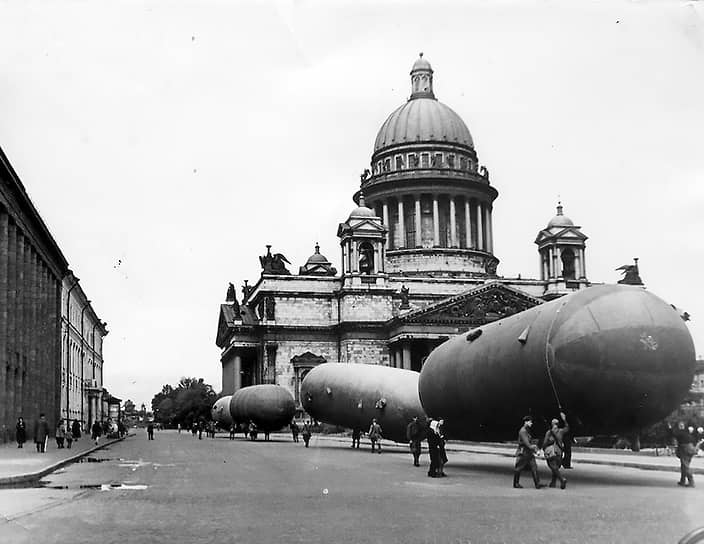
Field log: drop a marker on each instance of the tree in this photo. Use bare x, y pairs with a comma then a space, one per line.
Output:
190, 400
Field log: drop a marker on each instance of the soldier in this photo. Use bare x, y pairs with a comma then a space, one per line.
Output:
433, 449
375, 435
252, 430
41, 433
414, 435
306, 433
553, 445
525, 455
685, 450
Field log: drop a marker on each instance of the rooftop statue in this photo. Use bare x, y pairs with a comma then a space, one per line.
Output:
631, 275
274, 264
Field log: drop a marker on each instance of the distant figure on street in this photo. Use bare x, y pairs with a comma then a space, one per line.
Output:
41, 433
306, 433
233, 428
252, 431
433, 448
69, 434
95, 431
201, 428
76, 429
356, 437
179, 428
553, 446
20, 432
121, 428
414, 435
685, 450
194, 428
150, 431
375, 435
294, 430
525, 455
60, 435
567, 440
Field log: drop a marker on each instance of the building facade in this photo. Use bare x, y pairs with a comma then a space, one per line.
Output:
50, 337
82, 356
417, 262
31, 269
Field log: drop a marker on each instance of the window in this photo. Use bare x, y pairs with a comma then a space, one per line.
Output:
387, 165
463, 163
437, 160
399, 162
412, 160
424, 159
366, 258
450, 161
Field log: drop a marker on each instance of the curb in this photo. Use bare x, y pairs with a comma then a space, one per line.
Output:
34, 476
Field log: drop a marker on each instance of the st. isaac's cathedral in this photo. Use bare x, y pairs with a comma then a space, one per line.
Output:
417, 262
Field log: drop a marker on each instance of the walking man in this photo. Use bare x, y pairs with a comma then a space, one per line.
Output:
553, 446
306, 432
150, 431
294, 430
525, 455
685, 450
414, 435
96, 431
375, 435
41, 433
433, 449
356, 436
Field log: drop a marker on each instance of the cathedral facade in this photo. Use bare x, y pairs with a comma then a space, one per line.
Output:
417, 262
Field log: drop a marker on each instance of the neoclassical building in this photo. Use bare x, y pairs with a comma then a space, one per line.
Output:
416, 256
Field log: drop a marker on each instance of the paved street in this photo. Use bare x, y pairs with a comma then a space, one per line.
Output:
180, 489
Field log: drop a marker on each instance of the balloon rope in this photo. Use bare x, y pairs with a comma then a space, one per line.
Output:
547, 357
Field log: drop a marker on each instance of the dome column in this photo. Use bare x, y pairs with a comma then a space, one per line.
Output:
480, 229
468, 223
419, 232
385, 213
401, 234
436, 222
489, 231
453, 223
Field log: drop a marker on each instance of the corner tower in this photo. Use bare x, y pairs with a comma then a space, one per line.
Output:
427, 186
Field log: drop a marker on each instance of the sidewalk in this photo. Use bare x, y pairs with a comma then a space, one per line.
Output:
24, 465
645, 460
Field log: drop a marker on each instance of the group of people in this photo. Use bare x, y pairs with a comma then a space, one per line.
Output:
556, 441
65, 433
306, 432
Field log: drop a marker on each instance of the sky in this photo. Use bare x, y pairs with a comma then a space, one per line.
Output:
166, 142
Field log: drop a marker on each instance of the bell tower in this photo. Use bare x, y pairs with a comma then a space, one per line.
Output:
363, 244
561, 247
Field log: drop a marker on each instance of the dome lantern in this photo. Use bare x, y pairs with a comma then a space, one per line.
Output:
421, 79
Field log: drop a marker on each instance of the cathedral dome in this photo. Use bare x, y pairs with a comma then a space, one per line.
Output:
362, 210
560, 220
317, 258
423, 118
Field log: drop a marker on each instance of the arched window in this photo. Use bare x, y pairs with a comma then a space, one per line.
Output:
567, 264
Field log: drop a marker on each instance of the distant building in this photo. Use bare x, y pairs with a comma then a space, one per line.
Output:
32, 273
82, 356
692, 406
417, 262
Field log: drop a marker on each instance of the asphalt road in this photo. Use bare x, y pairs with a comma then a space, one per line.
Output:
180, 489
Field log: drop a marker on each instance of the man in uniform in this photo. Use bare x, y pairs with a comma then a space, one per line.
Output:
414, 435
685, 450
525, 455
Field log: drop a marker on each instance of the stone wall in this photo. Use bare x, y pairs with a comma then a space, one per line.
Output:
288, 349
365, 351
293, 310
439, 262
365, 307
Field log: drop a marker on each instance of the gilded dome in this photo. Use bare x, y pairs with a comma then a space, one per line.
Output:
423, 120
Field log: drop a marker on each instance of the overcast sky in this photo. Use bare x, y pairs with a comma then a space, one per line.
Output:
165, 143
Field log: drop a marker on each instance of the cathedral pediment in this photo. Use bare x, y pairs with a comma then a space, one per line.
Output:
563, 234
477, 306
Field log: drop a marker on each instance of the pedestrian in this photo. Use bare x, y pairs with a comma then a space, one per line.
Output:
414, 435
69, 434
60, 434
41, 433
194, 428
442, 454
121, 428
525, 455
433, 448
76, 429
233, 428
244, 427
179, 428
375, 435
685, 450
356, 436
20, 432
150, 431
567, 441
96, 431
252, 431
553, 445
306, 433
201, 428
294, 430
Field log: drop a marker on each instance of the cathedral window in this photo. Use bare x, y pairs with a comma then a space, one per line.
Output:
463, 163
437, 160
399, 162
567, 257
412, 160
450, 161
366, 258
387, 165
424, 160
